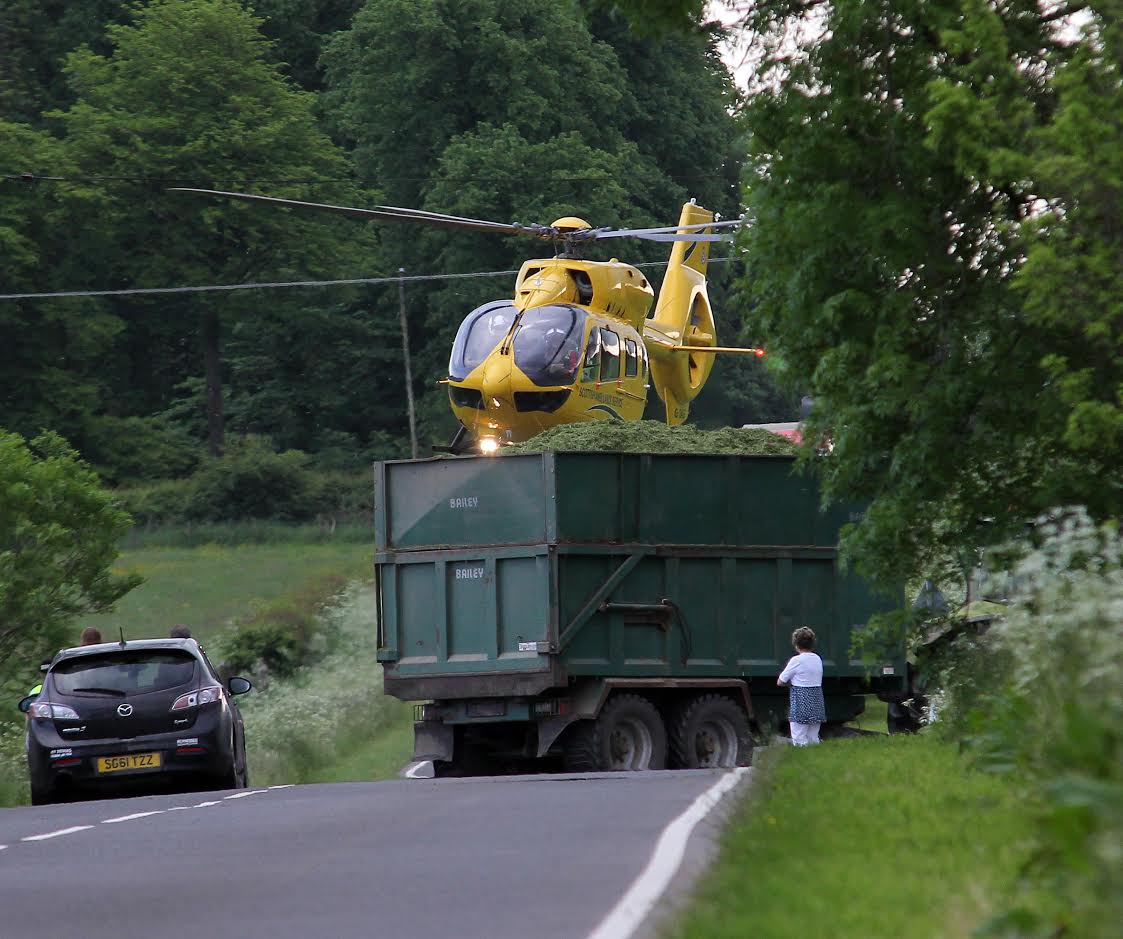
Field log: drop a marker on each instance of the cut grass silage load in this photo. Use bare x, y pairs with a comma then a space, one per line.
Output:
655, 437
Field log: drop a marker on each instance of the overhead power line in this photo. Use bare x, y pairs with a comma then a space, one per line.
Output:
278, 285
257, 181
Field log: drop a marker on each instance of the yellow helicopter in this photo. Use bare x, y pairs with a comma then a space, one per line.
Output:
579, 340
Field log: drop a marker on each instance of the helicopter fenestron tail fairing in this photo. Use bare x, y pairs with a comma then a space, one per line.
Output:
575, 342
682, 324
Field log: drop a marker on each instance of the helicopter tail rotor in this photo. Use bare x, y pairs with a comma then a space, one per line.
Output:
683, 317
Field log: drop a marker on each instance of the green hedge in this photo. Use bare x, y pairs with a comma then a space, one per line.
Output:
252, 482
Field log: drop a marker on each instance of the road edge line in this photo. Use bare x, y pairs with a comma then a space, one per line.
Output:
640, 898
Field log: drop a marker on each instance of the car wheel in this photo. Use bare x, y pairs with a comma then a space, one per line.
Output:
227, 780
43, 794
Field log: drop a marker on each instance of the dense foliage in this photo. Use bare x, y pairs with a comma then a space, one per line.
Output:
930, 187
59, 532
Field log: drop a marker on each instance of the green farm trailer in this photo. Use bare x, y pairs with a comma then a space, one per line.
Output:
610, 610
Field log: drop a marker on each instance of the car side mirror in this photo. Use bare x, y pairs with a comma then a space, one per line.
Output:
25, 703
239, 685
46, 666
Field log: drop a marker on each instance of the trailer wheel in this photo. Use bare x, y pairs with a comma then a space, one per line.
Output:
709, 731
628, 734
904, 717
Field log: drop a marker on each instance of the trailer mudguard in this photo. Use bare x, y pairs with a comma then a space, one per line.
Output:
432, 741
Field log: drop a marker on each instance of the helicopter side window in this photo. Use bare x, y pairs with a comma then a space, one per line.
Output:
610, 360
591, 369
631, 358
480, 332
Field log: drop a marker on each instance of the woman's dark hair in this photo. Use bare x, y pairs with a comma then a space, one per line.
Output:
804, 639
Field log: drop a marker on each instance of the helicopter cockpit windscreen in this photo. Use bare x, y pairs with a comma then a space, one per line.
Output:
548, 344
482, 330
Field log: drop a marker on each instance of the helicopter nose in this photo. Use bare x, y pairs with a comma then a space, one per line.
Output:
496, 387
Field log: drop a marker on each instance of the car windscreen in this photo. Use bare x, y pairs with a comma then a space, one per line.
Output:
118, 674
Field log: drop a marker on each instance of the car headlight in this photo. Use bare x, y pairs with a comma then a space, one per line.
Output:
207, 695
45, 711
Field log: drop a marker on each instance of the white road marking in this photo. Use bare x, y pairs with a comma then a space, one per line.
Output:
56, 834
180, 808
242, 795
648, 887
3, 847
203, 805
285, 786
129, 818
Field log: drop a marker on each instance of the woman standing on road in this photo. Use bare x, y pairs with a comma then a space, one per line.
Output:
804, 674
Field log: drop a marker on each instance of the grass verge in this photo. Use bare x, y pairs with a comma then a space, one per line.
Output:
862, 839
206, 587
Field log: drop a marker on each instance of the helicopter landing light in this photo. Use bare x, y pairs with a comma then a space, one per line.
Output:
488, 445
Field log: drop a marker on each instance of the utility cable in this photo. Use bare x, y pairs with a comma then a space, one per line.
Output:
277, 285
26, 177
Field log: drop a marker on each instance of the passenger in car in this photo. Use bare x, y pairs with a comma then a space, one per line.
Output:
91, 636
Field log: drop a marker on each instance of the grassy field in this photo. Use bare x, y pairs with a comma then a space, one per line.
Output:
208, 586
866, 838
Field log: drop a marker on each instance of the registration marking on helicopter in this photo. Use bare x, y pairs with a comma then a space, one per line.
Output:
466, 502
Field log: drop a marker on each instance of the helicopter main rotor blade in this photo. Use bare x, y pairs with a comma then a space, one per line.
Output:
385, 212
660, 236
669, 229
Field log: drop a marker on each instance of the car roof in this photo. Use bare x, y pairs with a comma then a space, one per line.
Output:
132, 645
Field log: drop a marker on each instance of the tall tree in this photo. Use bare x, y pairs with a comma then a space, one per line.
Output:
409, 77
904, 165
36, 36
52, 373
188, 92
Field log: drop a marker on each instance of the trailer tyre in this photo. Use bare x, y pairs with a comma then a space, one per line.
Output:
905, 717
628, 734
711, 731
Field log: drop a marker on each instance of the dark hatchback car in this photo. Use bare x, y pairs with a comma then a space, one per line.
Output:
149, 713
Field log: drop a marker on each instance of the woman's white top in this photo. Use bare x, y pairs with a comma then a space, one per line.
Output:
804, 671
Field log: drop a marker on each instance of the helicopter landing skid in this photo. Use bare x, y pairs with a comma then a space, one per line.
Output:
458, 447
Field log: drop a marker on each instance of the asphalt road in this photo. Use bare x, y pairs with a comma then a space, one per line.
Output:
531, 856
